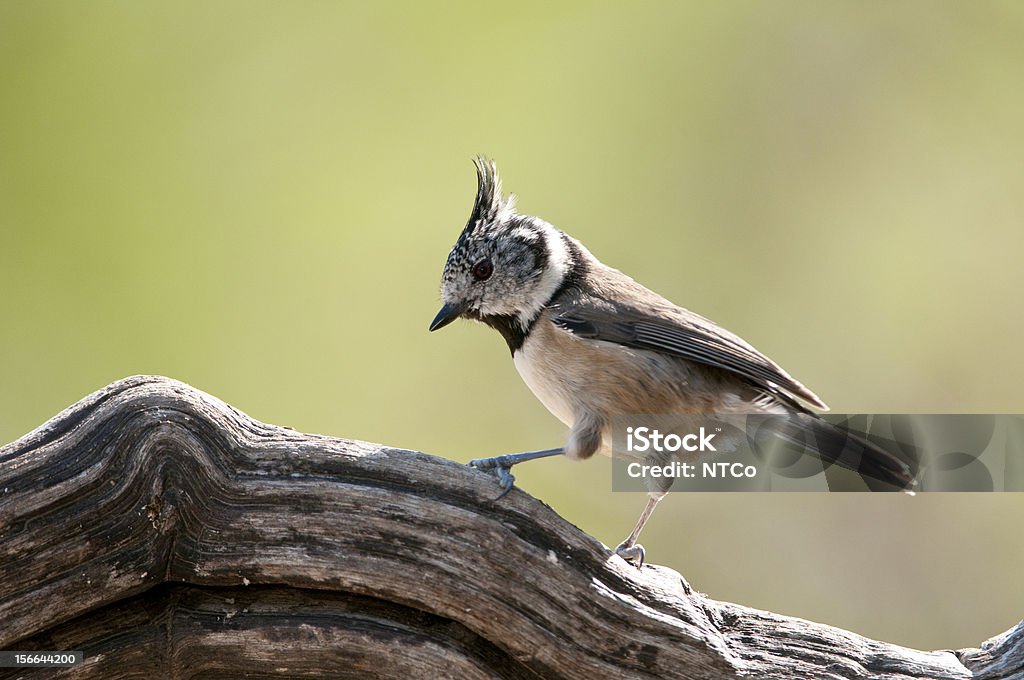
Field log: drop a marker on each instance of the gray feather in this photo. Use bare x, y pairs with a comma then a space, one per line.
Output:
617, 309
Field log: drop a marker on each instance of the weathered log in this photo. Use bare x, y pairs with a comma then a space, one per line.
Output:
167, 534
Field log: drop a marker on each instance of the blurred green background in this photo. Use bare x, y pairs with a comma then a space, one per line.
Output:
258, 199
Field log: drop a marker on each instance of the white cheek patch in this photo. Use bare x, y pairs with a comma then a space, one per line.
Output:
559, 262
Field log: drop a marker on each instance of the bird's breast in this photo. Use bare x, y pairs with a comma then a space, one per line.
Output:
576, 377
537, 361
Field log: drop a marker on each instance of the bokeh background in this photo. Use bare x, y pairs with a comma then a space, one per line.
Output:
257, 198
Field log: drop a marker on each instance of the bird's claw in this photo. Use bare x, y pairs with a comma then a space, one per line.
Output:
507, 479
502, 469
632, 553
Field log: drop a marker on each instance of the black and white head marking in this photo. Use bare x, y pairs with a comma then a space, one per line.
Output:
505, 267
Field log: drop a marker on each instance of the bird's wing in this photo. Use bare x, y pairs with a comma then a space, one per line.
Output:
666, 328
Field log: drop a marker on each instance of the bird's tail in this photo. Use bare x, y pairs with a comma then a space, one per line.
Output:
893, 464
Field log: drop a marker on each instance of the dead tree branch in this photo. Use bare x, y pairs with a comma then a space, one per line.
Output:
166, 533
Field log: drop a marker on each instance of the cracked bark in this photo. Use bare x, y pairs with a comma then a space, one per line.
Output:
167, 534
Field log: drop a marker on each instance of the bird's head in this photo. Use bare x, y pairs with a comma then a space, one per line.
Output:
505, 267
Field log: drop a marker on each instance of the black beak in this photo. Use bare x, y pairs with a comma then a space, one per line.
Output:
450, 312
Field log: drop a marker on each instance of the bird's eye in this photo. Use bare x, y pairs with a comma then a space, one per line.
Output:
483, 269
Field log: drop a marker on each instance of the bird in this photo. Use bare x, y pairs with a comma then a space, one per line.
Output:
593, 344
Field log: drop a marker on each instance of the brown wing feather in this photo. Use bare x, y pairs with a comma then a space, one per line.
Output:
650, 322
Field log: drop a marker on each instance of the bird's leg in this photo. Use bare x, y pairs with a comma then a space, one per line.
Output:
630, 550
502, 465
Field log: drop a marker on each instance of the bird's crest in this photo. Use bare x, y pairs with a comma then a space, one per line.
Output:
491, 206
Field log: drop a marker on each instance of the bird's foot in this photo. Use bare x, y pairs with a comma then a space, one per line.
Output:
633, 553
502, 467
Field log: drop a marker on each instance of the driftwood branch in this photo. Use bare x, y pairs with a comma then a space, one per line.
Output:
165, 533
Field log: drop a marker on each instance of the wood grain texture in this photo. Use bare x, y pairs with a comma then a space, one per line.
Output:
168, 534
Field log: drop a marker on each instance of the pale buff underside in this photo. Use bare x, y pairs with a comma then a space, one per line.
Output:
585, 383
